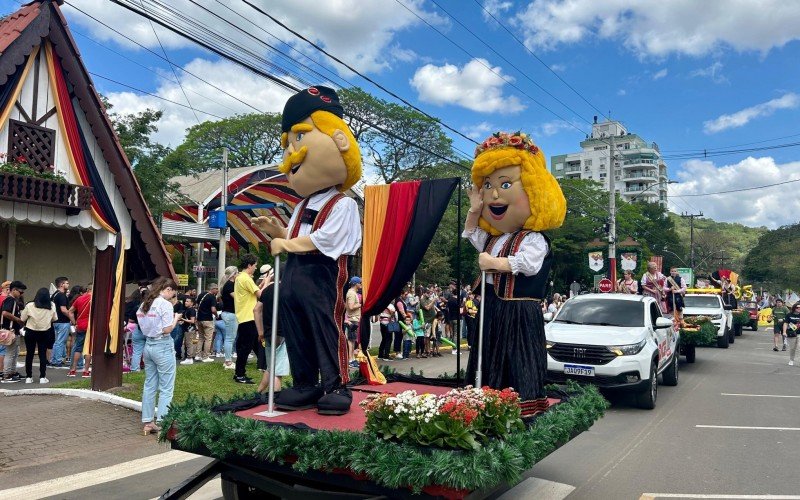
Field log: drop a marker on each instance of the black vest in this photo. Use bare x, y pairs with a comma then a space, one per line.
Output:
511, 286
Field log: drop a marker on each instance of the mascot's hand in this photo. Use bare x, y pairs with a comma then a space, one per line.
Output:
486, 262
269, 225
475, 199
277, 246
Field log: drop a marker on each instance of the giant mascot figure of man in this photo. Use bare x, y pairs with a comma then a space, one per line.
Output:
513, 198
321, 160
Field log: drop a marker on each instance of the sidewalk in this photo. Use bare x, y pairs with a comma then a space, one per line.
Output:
57, 436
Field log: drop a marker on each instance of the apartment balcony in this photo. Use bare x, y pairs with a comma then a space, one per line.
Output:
646, 175
572, 168
45, 192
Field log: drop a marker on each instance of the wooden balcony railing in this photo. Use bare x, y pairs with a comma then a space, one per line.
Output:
46, 192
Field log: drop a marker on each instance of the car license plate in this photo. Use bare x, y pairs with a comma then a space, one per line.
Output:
586, 371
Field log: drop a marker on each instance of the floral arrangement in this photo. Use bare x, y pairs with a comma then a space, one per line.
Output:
517, 140
740, 316
462, 418
20, 166
698, 330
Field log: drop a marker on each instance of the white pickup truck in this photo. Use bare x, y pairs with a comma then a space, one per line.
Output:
710, 305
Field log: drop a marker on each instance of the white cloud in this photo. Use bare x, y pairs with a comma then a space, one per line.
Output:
741, 118
713, 72
330, 24
478, 131
497, 7
558, 68
621, 92
553, 127
659, 28
176, 119
474, 86
769, 207
660, 74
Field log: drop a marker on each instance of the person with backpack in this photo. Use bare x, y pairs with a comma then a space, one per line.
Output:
206, 313
62, 324
385, 318
11, 324
81, 309
38, 316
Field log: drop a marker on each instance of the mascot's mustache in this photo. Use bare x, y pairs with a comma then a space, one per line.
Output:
293, 160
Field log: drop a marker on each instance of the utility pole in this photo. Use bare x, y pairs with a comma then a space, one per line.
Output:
722, 259
200, 251
223, 201
691, 235
612, 225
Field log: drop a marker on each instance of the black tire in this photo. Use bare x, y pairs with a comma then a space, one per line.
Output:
646, 399
234, 490
754, 326
671, 373
723, 341
731, 335
690, 351
737, 330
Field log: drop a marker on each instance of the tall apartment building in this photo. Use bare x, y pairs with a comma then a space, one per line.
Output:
639, 171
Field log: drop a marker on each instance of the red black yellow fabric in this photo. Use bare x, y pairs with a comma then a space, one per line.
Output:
413, 212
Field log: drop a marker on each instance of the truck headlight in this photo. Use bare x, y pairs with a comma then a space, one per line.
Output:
628, 349
716, 316
549, 344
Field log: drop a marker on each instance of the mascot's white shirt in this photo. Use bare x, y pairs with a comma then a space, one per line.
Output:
529, 258
341, 232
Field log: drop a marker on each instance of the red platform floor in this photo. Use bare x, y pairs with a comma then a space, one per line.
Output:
355, 419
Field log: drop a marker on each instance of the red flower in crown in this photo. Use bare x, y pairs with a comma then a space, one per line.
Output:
516, 140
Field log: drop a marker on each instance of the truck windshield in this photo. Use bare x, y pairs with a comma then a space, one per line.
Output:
711, 301
604, 312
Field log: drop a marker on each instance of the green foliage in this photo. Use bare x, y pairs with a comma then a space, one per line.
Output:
705, 335
768, 263
741, 316
21, 168
395, 465
251, 139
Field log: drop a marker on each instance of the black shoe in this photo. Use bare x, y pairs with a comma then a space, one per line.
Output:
298, 398
775, 349
243, 380
784, 348
335, 403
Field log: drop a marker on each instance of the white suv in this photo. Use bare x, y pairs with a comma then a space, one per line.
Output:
614, 341
710, 305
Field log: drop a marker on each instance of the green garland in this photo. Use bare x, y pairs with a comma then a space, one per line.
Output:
741, 316
389, 464
707, 335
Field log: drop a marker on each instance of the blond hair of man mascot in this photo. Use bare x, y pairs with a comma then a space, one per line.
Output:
321, 160
514, 197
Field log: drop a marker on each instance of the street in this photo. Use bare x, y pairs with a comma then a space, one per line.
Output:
729, 428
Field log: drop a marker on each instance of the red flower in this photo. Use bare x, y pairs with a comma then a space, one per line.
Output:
493, 141
21, 159
515, 141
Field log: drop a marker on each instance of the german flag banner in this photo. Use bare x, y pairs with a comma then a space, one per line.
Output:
400, 220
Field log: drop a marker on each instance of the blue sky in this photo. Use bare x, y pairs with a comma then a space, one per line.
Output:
685, 78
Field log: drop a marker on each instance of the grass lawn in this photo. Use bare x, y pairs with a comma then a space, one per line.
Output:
201, 379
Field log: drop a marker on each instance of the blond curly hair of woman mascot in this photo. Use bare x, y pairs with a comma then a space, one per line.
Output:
546, 204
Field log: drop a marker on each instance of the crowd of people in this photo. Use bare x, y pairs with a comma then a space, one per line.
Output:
53, 324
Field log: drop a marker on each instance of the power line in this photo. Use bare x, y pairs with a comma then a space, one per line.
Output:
731, 152
738, 190
499, 75
151, 94
540, 60
504, 58
704, 150
351, 68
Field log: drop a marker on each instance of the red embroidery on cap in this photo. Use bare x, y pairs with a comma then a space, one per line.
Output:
325, 98
313, 91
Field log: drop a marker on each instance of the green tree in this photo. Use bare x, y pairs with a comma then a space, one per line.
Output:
770, 262
251, 139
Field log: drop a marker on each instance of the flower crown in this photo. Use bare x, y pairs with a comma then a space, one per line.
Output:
517, 140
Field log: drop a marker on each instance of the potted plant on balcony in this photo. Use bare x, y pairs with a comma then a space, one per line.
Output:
20, 181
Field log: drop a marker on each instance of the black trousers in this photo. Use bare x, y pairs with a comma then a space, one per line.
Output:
36, 340
420, 348
398, 342
472, 333
246, 338
386, 342
261, 353
312, 315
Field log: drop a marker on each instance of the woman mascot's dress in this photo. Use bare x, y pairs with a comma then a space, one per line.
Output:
514, 198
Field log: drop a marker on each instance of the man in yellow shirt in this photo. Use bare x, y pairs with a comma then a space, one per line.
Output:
245, 298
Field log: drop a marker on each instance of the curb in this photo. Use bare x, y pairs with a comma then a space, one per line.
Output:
103, 397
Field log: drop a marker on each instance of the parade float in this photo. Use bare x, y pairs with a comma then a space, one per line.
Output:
694, 332
385, 435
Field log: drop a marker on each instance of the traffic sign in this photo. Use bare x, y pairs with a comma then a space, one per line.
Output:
183, 279
204, 269
605, 285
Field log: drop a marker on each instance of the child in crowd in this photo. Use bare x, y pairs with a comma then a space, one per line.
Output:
437, 329
190, 334
418, 325
408, 328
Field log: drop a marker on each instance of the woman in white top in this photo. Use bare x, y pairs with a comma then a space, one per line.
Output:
38, 317
157, 319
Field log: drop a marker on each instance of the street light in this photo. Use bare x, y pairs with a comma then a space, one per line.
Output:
676, 256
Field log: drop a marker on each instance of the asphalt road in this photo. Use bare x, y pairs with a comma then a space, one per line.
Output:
750, 449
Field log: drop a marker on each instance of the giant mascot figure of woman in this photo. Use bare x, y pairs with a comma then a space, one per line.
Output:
514, 197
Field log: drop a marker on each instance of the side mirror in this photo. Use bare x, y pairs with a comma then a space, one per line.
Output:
548, 317
727, 307
663, 323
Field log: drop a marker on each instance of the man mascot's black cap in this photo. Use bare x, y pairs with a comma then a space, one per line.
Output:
302, 104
